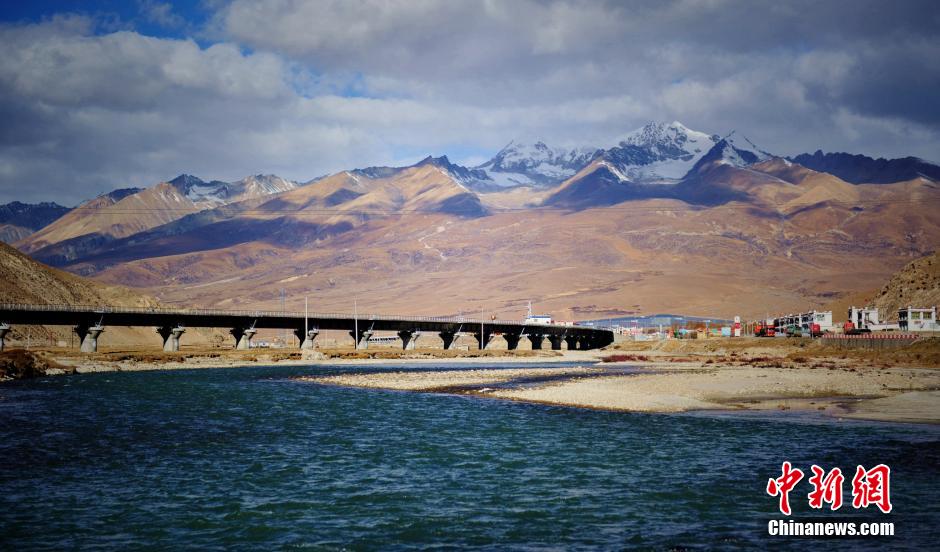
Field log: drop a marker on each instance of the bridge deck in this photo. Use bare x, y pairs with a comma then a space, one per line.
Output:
91, 315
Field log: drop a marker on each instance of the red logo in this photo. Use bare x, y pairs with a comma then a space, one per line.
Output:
868, 487
782, 486
826, 489
872, 487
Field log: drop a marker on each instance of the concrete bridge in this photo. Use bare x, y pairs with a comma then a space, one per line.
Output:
90, 321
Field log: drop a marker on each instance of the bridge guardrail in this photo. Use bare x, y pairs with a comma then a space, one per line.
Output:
105, 309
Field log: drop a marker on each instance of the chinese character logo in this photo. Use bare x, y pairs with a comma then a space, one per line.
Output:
826, 489
783, 484
872, 487
868, 487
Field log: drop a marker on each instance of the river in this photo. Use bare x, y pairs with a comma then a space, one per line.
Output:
248, 458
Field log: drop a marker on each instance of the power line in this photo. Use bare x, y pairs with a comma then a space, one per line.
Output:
307, 211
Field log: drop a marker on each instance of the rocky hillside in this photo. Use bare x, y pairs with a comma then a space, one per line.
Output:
860, 169
27, 281
916, 285
19, 220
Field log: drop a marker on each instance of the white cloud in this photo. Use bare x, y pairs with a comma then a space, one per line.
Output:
304, 88
160, 13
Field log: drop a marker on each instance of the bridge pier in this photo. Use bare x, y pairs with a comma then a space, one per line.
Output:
555, 340
306, 341
4, 329
572, 342
362, 340
171, 337
88, 335
484, 341
449, 339
585, 344
512, 340
536, 340
243, 337
409, 339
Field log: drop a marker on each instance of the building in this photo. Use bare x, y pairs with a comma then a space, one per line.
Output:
863, 318
822, 318
537, 318
803, 322
867, 319
912, 319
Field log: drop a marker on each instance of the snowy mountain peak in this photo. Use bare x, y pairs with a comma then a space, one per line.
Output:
668, 136
741, 143
535, 164
261, 185
215, 193
185, 182
735, 150
658, 151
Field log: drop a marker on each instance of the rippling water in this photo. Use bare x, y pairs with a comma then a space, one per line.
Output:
248, 458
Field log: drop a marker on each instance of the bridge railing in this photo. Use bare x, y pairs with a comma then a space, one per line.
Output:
107, 309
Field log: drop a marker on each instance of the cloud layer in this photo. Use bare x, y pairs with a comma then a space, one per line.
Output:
302, 89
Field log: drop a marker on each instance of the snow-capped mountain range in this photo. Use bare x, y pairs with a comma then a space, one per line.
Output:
537, 165
656, 153
215, 193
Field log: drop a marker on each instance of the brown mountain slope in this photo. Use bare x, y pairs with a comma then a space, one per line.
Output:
11, 233
107, 218
915, 285
306, 215
397, 245
642, 256
27, 281
103, 218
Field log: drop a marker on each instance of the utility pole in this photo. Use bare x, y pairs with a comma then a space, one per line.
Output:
482, 336
284, 311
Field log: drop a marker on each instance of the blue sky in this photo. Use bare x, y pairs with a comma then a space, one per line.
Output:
100, 95
141, 16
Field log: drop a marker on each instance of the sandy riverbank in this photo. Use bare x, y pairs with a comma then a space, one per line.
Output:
901, 385
46, 362
844, 389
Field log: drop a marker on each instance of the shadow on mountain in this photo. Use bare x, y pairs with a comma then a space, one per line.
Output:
341, 196
707, 193
602, 188
281, 231
861, 169
462, 205
93, 245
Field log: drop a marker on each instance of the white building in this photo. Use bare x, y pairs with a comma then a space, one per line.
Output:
867, 319
911, 319
537, 318
822, 318
863, 318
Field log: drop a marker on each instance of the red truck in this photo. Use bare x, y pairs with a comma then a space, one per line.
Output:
849, 329
764, 330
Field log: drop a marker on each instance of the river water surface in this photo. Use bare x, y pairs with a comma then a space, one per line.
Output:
248, 458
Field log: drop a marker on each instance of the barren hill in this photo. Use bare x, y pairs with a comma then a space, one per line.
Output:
103, 218
915, 285
639, 256
27, 281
